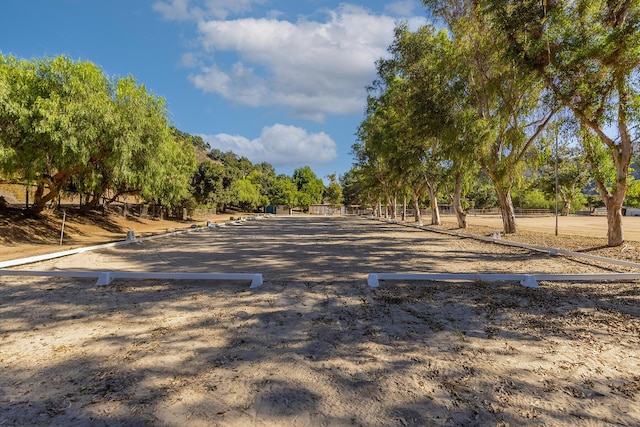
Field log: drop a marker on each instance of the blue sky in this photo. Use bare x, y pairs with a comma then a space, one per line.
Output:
281, 81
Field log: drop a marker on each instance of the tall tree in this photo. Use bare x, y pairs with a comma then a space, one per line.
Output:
588, 54
64, 121
146, 156
507, 100
373, 153
442, 120
247, 195
59, 119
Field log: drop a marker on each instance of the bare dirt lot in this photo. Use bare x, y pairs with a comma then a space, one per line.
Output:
315, 345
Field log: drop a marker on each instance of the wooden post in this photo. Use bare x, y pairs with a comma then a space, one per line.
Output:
64, 217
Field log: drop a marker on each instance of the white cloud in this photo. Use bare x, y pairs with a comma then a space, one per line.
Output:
280, 145
190, 60
402, 8
315, 68
180, 10
175, 10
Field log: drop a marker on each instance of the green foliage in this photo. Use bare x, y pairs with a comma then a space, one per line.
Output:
310, 187
194, 140
588, 54
446, 103
633, 194
572, 176
482, 194
352, 188
284, 192
535, 199
206, 183
225, 179
247, 195
333, 193
64, 122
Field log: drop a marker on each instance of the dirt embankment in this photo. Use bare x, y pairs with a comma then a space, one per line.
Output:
22, 236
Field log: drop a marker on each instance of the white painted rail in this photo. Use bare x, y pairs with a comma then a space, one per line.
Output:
106, 277
527, 280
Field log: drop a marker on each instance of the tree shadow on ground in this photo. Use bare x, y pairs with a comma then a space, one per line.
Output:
314, 354
319, 349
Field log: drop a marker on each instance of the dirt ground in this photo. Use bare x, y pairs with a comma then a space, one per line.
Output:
315, 346
24, 237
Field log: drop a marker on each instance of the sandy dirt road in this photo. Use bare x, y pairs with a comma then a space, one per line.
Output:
314, 346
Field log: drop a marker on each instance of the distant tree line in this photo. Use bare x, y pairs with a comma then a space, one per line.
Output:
483, 98
225, 179
65, 126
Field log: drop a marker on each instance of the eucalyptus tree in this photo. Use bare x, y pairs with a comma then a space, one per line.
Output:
442, 122
406, 158
588, 54
373, 168
358, 186
507, 99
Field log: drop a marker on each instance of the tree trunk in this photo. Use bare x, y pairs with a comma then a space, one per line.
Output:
416, 206
615, 236
435, 212
404, 209
613, 203
507, 211
91, 204
95, 199
386, 207
40, 199
391, 203
461, 215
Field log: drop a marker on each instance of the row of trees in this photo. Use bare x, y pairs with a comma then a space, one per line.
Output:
67, 127
489, 91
